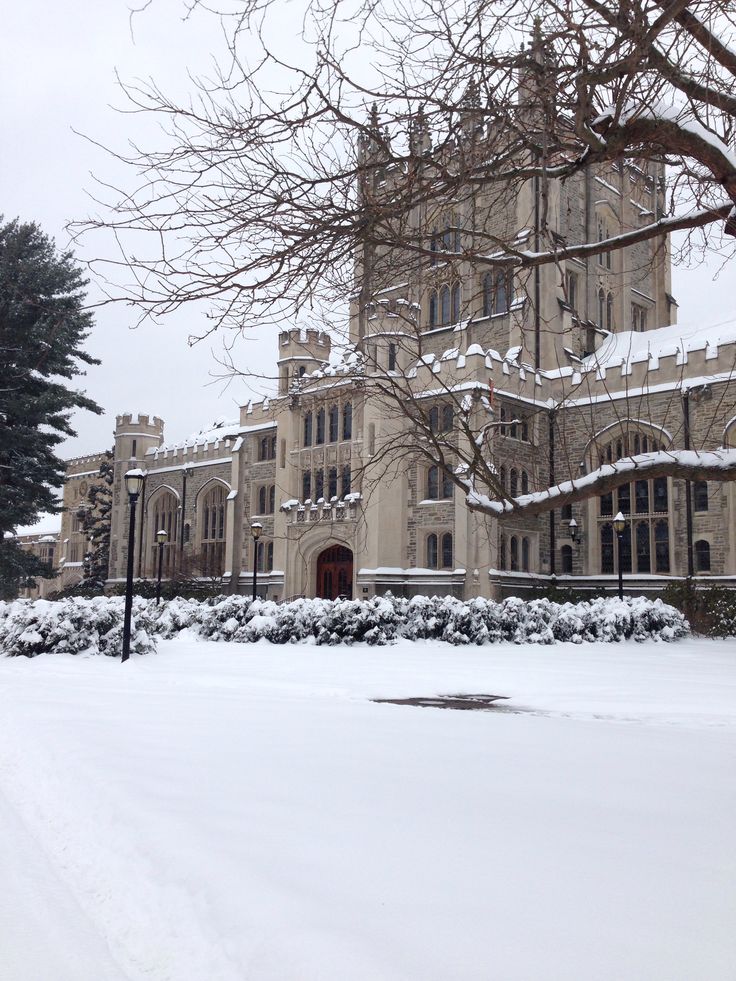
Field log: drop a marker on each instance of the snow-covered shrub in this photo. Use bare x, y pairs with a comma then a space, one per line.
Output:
74, 626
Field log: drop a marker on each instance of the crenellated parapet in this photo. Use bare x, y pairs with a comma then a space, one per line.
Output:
300, 353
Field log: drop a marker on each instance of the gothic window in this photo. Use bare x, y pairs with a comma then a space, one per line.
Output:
347, 421
447, 550
607, 504
643, 554
487, 287
392, 357
601, 308
607, 561
447, 418
319, 484
165, 518
332, 483
524, 482
502, 477
456, 303
264, 552
702, 556
700, 495
514, 485
624, 548
306, 485
320, 427
333, 423
445, 305
439, 484
302, 371
662, 546
566, 512
609, 312
571, 284
514, 550
502, 553
660, 495
345, 488
308, 429
431, 551
566, 557
638, 317
433, 308
434, 419
641, 496
262, 500
501, 298
525, 429
525, 555
267, 448
213, 531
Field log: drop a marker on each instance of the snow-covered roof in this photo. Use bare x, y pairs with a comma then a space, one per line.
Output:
631, 347
47, 524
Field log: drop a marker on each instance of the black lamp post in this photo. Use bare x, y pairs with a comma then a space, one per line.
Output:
255, 529
572, 528
134, 480
619, 523
161, 537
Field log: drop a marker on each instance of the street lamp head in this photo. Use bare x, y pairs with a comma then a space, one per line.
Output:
134, 480
619, 523
573, 528
255, 529
162, 537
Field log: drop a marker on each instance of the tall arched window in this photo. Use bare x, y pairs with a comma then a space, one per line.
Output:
487, 287
525, 555
434, 419
448, 418
264, 551
433, 483
607, 558
609, 312
524, 482
332, 483
601, 308
501, 300
433, 309
165, 518
308, 429
702, 556
502, 477
319, 484
320, 427
514, 553
662, 546
306, 485
345, 488
700, 495
456, 303
392, 357
212, 519
566, 556
445, 305
347, 421
333, 423
514, 485
502, 553
431, 551
447, 550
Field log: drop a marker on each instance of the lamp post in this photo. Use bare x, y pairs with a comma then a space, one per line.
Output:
619, 523
161, 537
572, 528
255, 529
134, 480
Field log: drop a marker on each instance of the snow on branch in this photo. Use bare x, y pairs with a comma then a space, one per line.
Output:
717, 465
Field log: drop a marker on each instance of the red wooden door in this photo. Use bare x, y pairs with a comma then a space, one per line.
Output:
335, 573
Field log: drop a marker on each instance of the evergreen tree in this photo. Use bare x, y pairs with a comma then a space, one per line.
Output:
43, 325
95, 517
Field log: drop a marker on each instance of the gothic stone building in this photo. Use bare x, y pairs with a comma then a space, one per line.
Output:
578, 362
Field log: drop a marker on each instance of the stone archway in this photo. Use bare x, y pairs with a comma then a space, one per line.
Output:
335, 573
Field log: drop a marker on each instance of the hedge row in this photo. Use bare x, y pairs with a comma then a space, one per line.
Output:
94, 626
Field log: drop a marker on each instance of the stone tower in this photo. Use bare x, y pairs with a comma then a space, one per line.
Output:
300, 353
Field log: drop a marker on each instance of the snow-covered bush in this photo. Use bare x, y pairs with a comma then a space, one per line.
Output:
74, 626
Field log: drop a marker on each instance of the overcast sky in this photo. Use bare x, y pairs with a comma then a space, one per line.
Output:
57, 75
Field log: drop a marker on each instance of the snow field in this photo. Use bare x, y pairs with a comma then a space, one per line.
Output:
230, 812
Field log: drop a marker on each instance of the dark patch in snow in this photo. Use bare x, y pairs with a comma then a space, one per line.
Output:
467, 702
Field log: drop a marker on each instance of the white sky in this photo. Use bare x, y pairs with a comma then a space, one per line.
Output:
57, 74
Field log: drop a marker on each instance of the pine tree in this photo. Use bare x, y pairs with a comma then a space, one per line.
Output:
43, 324
95, 517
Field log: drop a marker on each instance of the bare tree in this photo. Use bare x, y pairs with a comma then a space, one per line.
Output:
294, 180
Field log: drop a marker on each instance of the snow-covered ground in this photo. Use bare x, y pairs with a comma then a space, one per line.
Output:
221, 812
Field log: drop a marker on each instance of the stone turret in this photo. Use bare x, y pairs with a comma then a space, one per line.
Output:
134, 435
301, 352
391, 339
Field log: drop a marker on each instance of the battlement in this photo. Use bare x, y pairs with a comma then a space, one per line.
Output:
309, 339
79, 465
139, 422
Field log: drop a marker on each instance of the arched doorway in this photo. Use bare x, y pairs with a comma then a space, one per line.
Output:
335, 573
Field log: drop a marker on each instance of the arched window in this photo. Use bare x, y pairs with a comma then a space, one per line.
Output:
502, 477
308, 429
456, 303
448, 417
347, 421
501, 300
433, 483
662, 546
566, 556
702, 556
700, 495
514, 485
643, 548
624, 548
524, 482
165, 518
345, 488
392, 357
601, 308
445, 305
502, 553
306, 485
431, 551
433, 308
447, 550
262, 500
319, 484
514, 553
272, 499
525, 429
607, 559
332, 483
212, 519
525, 555
302, 371
434, 419
641, 496
609, 312
487, 287
264, 551
333, 424
448, 488
320, 427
